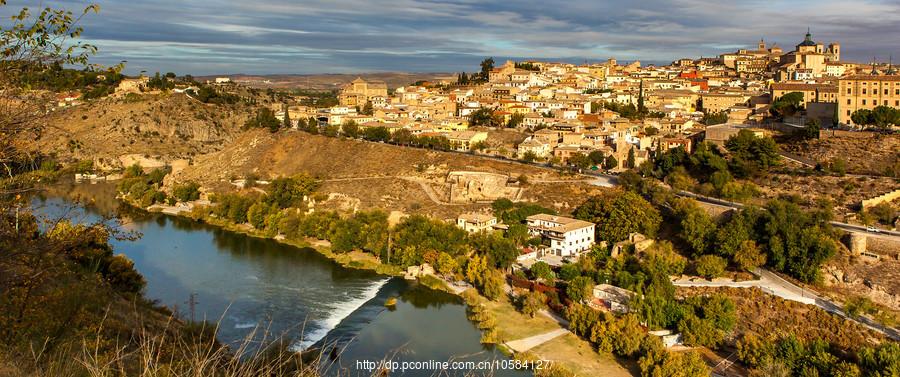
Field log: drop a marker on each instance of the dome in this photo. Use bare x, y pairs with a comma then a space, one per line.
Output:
808, 40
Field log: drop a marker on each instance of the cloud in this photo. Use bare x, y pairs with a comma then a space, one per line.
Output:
316, 36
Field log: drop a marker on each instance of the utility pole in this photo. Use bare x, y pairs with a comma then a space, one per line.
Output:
192, 304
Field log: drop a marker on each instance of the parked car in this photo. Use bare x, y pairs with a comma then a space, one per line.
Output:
872, 229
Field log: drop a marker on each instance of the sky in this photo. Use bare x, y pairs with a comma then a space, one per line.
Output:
206, 37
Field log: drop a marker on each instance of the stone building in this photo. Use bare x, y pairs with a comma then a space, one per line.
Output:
359, 91
866, 92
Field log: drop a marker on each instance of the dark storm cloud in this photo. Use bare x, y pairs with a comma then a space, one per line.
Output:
280, 36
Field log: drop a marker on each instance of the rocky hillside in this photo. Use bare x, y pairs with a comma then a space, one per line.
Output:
171, 126
862, 153
375, 175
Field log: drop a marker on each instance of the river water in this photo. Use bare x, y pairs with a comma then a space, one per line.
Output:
252, 286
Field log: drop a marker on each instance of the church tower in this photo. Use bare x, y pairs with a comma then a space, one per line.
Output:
834, 49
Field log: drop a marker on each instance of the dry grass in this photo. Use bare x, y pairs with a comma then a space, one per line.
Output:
579, 356
763, 314
178, 350
872, 155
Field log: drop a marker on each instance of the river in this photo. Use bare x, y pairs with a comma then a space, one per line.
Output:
251, 285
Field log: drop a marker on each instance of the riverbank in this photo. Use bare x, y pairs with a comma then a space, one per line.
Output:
568, 354
356, 260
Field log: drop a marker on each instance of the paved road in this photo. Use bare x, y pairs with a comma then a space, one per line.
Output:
525, 344
773, 284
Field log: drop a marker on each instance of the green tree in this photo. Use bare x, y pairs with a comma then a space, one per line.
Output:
541, 270
662, 258
487, 65
475, 270
713, 118
710, 266
787, 105
501, 251
751, 155
696, 227
257, 213
569, 271
493, 284
882, 360
484, 117
629, 163
331, 130
368, 109
264, 118
287, 192
446, 264
377, 134
748, 256
288, 124
610, 163
580, 289
796, 242
618, 216
811, 129
582, 318
532, 303
529, 156
186, 192
673, 364
580, 160
515, 120
862, 117
350, 129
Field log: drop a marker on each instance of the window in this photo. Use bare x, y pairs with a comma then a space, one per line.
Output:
864, 102
864, 90
848, 101
848, 112
849, 91
896, 103
897, 92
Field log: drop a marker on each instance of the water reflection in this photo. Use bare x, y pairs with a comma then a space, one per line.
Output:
245, 282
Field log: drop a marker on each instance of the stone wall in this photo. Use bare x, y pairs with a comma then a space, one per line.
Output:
827, 134
886, 198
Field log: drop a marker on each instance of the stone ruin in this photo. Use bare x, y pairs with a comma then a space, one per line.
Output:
470, 187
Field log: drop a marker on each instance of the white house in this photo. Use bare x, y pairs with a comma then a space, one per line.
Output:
475, 222
540, 148
566, 236
669, 338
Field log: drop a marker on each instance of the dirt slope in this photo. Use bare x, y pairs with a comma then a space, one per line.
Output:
169, 125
